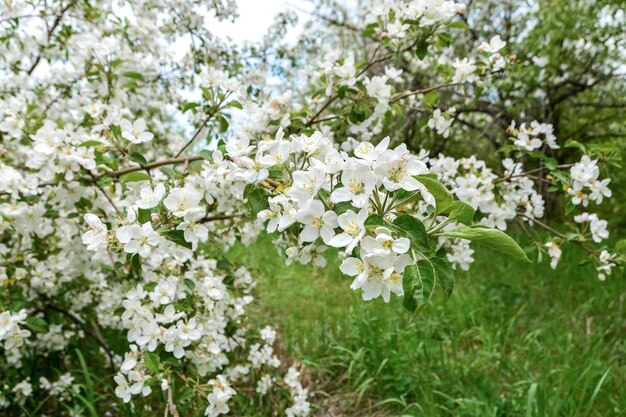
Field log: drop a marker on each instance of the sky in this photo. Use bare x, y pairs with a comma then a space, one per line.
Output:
255, 17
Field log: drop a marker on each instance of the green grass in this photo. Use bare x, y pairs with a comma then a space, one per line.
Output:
514, 340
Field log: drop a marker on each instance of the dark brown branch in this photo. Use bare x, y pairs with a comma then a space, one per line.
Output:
93, 332
55, 24
195, 135
147, 167
218, 217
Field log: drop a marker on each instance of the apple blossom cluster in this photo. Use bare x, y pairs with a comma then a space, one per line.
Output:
586, 185
300, 406
394, 14
597, 227
606, 262
442, 121
322, 178
535, 136
11, 334
20, 392
469, 70
555, 252
501, 198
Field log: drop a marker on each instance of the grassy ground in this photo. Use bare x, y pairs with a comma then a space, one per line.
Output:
514, 340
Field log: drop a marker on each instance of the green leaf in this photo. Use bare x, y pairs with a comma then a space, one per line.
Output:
224, 265
551, 163
190, 105
135, 264
445, 275
170, 172
190, 284
135, 177
418, 283
431, 98
421, 50
257, 199
461, 212
37, 324
139, 158
131, 85
443, 197
144, 215
370, 29
445, 38
571, 143
236, 105
414, 229
459, 24
185, 394
223, 123
177, 236
620, 246
490, 237
152, 362
206, 154
90, 143
375, 221
342, 207
135, 76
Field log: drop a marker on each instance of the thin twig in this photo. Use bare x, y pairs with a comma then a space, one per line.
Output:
559, 234
105, 194
195, 135
51, 30
93, 332
147, 167
170, 401
218, 217
532, 171
421, 91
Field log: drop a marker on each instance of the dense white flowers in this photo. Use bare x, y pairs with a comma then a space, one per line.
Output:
101, 233
150, 197
586, 185
10, 331
597, 227
535, 136
353, 229
96, 237
180, 200
607, 263
441, 121
494, 45
138, 239
465, 71
300, 406
318, 222
135, 132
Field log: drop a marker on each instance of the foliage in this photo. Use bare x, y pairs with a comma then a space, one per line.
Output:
540, 347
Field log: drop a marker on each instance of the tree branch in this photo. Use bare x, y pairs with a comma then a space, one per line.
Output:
51, 30
93, 332
421, 91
